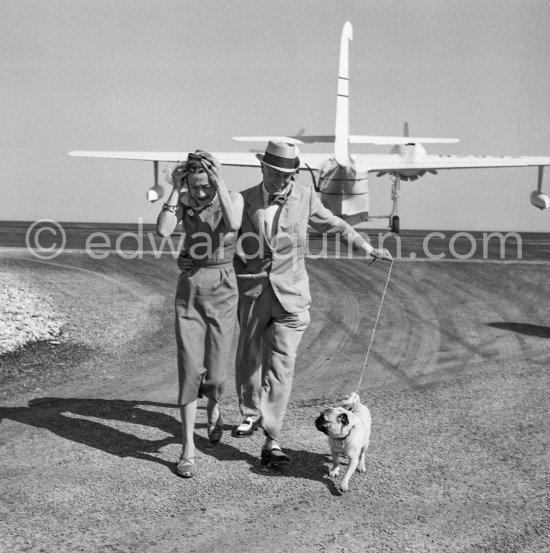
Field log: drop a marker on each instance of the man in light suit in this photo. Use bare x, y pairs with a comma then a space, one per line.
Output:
274, 295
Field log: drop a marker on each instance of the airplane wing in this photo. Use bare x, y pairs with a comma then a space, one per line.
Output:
394, 140
366, 162
297, 139
239, 159
393, 163
353, 139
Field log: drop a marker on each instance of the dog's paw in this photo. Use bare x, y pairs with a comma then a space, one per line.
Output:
335, 471
343, 487
362, 468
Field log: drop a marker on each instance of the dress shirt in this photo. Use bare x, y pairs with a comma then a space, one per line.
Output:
272, 210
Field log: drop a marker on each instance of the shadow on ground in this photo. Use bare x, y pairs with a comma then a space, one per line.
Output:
91, 422
524, 328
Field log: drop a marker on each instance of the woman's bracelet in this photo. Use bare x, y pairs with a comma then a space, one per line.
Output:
171, 208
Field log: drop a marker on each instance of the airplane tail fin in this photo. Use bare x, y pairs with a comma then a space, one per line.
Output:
341, 130
342, 138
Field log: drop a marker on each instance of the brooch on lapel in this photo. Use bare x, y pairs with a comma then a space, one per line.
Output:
190, 212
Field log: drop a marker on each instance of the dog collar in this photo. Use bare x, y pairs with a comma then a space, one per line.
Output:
346, 436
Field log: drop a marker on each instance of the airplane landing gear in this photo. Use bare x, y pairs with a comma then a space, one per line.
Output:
394, 218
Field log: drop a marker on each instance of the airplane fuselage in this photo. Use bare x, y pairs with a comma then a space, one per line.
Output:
344, 189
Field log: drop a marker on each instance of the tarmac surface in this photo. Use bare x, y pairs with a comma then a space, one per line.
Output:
457, 382
48, 239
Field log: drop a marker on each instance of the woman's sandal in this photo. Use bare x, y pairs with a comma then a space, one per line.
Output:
186, 467
215, 431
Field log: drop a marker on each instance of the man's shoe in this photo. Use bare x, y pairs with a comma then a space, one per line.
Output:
246, 428
274, 457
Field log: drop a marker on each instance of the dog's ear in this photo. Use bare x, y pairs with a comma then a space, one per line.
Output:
343, 419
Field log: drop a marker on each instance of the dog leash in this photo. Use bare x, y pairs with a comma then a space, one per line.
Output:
373, 330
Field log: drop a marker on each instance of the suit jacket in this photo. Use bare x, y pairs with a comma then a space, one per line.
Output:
281, 263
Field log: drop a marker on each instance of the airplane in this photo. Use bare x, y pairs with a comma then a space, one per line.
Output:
342, 179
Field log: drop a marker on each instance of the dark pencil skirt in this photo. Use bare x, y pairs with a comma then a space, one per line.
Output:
206, 312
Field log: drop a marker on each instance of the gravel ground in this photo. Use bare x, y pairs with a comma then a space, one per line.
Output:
459, 454
25, 317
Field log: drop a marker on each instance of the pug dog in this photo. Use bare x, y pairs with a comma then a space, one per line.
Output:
348, 431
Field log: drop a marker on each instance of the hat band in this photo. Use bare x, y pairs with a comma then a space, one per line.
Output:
277, 161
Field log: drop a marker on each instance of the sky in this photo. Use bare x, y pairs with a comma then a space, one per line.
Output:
184, 74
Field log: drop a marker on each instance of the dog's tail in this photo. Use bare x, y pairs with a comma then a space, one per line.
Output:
351, 401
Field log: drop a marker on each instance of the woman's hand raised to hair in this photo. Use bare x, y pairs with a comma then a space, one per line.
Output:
213, 169
179, 174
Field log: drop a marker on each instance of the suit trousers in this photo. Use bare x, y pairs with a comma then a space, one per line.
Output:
266, 356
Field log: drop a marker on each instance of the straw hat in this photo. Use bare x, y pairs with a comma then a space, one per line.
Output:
281, 156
